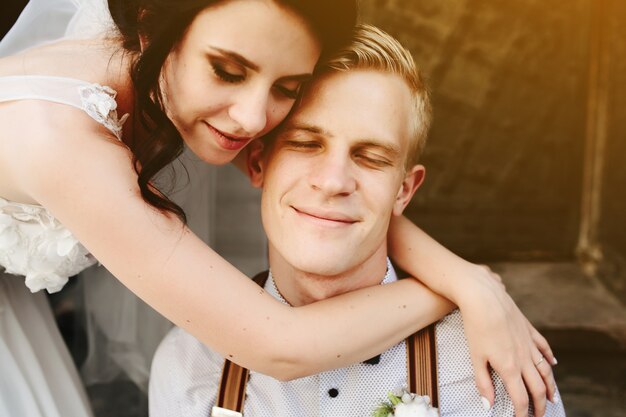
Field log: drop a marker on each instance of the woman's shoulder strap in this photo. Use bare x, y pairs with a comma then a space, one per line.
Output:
96, 100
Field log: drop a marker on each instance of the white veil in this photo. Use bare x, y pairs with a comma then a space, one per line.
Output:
122, 331
44, 21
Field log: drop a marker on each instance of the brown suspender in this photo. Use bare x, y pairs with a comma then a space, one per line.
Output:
421, 371
232, 393
421, 363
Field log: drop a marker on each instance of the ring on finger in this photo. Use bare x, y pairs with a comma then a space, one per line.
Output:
540, 361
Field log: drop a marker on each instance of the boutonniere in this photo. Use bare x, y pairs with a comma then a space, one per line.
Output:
406, 405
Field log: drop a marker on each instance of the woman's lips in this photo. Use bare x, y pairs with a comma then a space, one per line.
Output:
228, 142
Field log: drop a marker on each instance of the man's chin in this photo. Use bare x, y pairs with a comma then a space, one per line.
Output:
329, 265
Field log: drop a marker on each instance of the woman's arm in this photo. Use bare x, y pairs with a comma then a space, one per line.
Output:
498, 333
89, 185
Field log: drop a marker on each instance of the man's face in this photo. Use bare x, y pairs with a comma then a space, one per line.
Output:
335, 174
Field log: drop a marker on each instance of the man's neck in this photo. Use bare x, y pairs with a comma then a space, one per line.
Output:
299, 287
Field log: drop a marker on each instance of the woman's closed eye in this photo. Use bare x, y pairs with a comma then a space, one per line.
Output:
228, 75
290, 93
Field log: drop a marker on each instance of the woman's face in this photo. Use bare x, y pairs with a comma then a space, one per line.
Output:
235, 75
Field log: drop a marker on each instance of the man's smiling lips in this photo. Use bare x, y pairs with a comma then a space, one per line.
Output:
329, 218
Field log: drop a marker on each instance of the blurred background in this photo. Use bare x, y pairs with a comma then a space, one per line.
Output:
525, 165
525, 172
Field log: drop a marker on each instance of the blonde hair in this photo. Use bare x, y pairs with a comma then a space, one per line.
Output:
373, 49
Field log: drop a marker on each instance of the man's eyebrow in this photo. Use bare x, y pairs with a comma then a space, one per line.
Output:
237, 58
307, 127
254, 67
391, 149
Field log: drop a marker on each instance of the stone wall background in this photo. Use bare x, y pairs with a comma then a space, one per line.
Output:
612, 222
511, 90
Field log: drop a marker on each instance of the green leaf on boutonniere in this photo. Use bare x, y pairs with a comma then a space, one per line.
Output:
383, 410
395, 400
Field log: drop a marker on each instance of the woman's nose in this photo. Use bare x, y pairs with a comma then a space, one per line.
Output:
249, 111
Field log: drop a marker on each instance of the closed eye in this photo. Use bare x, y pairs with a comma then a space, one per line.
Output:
374, 161
302, 144
290, 93
225, 75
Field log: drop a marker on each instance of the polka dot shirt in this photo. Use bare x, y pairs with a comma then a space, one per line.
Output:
186, 374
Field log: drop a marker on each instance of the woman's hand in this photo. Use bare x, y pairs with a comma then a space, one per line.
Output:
501, 337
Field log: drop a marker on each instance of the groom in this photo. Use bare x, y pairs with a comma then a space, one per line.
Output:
332, 176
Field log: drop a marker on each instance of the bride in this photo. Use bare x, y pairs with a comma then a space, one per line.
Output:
92, 108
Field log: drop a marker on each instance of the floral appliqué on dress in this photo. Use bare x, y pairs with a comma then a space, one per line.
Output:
99, 103
37, 246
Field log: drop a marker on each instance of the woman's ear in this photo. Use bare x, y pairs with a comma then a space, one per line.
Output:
254, 162
412, 180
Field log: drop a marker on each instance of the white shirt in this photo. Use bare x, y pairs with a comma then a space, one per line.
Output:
186, 374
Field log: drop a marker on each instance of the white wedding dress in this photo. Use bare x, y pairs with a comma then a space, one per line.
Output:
37, 375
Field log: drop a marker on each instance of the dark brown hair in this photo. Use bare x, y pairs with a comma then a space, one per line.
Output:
162, 23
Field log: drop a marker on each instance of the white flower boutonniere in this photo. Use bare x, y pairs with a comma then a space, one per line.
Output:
406, 405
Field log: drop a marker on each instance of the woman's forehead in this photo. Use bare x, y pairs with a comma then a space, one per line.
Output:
260, 31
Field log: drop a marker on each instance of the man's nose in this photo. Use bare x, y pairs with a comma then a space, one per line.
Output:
333, 176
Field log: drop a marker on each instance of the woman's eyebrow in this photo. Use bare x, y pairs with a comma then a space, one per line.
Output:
237, 58
254, 67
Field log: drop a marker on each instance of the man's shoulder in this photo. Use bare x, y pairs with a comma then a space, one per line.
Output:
452, 349
181, 351
451, 322
184, 377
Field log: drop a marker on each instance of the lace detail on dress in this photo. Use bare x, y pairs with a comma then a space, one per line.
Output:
99, 103
36, 245
32, 242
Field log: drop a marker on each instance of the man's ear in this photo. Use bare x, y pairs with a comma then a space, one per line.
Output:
255, 162
410, 184
143, 40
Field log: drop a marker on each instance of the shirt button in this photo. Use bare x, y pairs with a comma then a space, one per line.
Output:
333, 392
